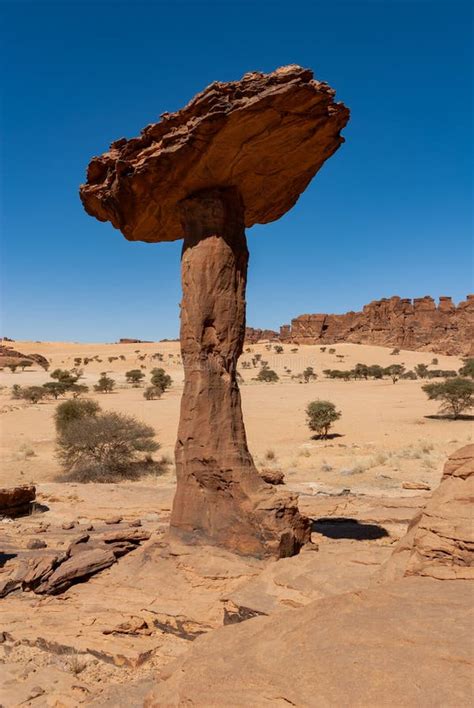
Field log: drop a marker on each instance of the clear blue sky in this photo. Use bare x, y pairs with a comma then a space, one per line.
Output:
390, 213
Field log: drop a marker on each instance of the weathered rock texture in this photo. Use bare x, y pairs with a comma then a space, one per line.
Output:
402, 643
253, 335
395, 321
238, 154
15, 501
267, 134
53, 572
407, 644
214, 468
440, 539
10, 356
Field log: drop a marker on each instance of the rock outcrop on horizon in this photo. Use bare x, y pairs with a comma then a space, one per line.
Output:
417, 324
10, 356
393, 322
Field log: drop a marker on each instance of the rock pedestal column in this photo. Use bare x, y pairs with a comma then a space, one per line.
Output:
220, 497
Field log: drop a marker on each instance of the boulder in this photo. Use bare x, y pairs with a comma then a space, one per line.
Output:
440, 538
15, 501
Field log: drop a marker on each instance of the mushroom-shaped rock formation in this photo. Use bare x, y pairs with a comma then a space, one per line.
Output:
238, 154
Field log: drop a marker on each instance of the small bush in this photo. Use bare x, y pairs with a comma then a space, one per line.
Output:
278, 349
309, 374
456, 395
160, 379
73, 410
434, 362
409, 375
270, 455
55, 389
152, 392
395, 351
321, 415
394, 371
468, 368
134, 377
32, 394
267, 376
105, 384
331, 351
16, 392
105, 447
421, 370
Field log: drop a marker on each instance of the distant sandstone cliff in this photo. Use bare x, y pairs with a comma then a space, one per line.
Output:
391, 322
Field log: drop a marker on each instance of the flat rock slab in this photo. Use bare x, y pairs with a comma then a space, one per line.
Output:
408, 644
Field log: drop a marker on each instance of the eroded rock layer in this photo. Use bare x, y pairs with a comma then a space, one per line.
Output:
267, 134
399, 322
220, 498
440, 539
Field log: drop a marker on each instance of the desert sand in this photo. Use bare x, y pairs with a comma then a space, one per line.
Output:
385, 429
112, 640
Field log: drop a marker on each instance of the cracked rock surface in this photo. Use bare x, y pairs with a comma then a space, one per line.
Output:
267, 134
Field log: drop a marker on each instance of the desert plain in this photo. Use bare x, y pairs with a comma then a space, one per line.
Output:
142, 631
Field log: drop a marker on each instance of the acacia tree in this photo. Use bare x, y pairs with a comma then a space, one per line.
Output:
160, 378
321, 415
55, 388
134, 377
456, 395
267, 375
105, 384
394, 371
421, 370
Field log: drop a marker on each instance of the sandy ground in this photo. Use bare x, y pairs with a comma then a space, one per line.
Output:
109, 641
385, 434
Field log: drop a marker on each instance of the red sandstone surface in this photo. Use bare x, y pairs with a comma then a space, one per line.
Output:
418, 324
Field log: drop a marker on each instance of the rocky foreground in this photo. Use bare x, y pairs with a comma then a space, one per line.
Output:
368, 614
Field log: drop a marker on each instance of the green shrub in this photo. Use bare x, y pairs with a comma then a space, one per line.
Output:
134, 377
161, 379
409, 375
468, 368
309, 374
105, 447
55, 388
267, 375
105, 384
456, 395
321, 415
32, 394
152, 392
376, 371
394, 371
73, 410
421, 370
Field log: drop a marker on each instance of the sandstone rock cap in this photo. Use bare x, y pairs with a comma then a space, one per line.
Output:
267, 135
